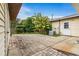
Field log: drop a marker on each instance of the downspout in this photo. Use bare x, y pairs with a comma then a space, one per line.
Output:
59, 27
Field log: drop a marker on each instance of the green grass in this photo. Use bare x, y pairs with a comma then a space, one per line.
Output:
56, 35
31, 33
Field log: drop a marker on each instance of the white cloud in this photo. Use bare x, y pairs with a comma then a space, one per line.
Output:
55, 17
23, 13
25, 9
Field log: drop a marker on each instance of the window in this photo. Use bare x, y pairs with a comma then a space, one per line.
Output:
66, 25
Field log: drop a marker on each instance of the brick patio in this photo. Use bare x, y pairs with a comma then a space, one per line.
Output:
35, 45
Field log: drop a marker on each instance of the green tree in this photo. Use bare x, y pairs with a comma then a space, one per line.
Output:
29, 26
36, 23
41, 23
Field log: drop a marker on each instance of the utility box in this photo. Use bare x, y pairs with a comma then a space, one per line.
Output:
51, 32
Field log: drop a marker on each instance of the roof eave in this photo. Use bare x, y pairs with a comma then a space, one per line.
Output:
14, 10
62, 19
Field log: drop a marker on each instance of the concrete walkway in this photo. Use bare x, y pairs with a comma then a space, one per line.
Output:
71, 45
36, 45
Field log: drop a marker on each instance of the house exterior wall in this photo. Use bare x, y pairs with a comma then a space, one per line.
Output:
64, 31
4, 28
73, 29
75, 26
55, 27
7, 28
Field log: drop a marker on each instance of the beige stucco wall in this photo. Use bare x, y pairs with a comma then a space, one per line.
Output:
4, 28
55, 26
75, 26
73, 29
65, 31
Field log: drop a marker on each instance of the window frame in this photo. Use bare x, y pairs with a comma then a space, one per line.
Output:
66, 25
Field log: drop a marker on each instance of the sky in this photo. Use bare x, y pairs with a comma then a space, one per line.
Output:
55, 10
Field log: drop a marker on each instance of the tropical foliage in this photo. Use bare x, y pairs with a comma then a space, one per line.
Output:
36, 23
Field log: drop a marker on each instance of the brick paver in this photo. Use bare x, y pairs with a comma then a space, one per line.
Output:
35, 45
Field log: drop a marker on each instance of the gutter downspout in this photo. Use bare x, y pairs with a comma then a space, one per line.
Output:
59, 27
